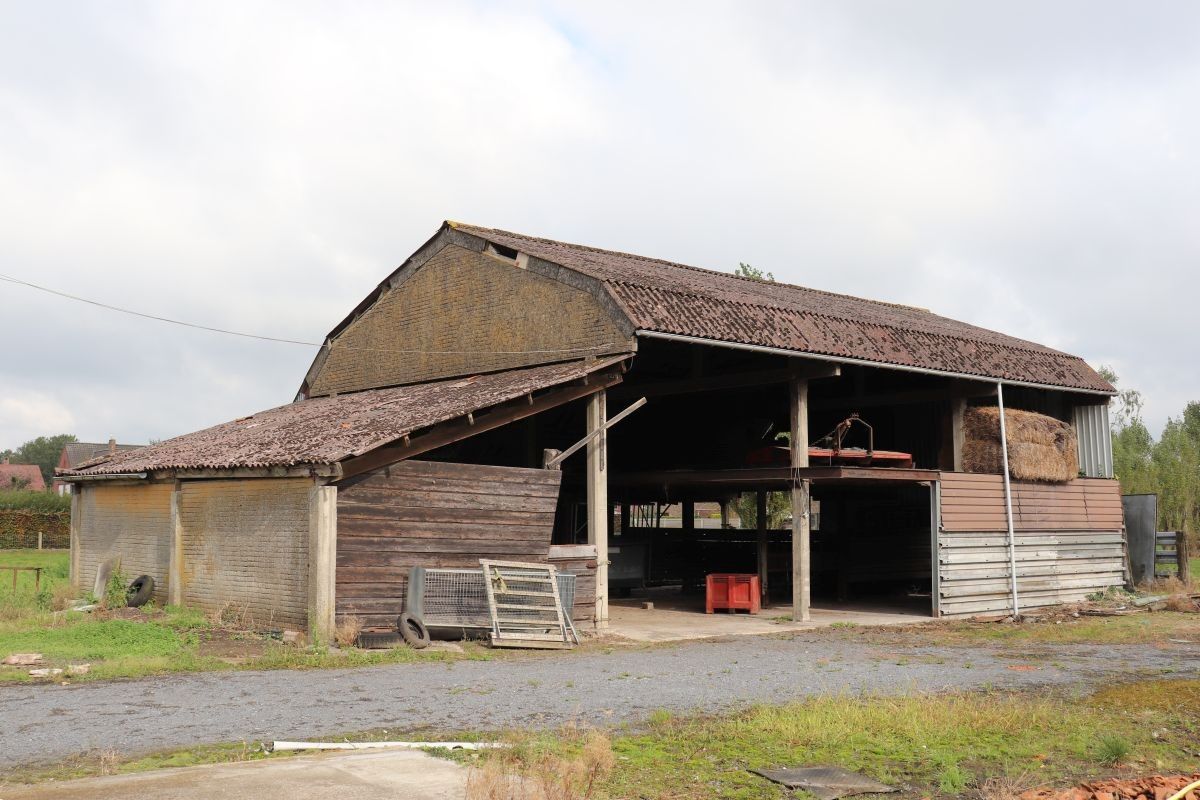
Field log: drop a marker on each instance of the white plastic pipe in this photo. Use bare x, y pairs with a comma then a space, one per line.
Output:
282, 746
1012, 544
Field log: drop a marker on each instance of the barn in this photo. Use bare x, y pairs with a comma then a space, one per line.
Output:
432, 426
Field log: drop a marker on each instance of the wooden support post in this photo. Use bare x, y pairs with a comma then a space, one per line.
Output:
597, 500
76, 552
322, 563
958, 435
760, 516
175, 557
801, 553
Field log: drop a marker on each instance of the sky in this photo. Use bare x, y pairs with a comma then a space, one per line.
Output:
1029, 167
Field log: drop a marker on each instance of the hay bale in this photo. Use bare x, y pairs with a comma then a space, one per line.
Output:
1040, 448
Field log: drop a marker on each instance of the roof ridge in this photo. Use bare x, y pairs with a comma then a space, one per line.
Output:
705, 270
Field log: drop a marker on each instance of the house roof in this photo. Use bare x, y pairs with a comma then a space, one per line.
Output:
29, 476
326, 430
665, 297
78, 453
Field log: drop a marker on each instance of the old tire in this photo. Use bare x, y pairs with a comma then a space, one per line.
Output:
414, 632
140, 591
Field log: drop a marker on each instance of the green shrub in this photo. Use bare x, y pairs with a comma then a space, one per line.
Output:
25, 500
114, 592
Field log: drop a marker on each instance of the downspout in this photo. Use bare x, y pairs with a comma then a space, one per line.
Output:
1008, 515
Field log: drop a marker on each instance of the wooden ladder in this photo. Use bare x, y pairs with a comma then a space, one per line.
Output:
525, 606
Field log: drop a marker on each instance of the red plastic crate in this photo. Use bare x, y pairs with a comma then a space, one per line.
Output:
732, 591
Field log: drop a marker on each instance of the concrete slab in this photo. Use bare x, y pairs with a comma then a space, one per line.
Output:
388, 774
675, 619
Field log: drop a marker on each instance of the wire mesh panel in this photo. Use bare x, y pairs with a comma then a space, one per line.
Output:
456, 598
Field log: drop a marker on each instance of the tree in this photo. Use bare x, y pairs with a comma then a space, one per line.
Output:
1177, 469
779, 510
1132, 444
43, 451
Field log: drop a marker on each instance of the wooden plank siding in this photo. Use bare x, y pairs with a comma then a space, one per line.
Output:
425, 513
1069, 542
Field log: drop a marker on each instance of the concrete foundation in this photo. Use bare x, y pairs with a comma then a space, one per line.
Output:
680, 617
387, 775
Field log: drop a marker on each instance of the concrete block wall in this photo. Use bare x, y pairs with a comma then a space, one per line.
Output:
244, 546
129, 521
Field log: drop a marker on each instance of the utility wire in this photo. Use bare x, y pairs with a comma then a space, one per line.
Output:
211, 329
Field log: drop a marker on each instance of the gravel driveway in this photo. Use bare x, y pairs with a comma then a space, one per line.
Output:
44, 723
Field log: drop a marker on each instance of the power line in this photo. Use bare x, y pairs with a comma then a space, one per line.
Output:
278, 339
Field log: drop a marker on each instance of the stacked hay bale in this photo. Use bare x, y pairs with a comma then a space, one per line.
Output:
1040, 448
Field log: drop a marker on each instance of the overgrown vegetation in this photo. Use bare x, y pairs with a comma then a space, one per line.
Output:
932, 745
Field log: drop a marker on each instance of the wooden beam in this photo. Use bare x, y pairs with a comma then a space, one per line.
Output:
801, 551
597, 499
457, 430
736, 380
862, 399
760, 498
713, 383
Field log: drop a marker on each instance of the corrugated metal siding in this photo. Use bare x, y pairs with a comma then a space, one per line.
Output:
245, 548
1069, 543
132, 522
1095, 441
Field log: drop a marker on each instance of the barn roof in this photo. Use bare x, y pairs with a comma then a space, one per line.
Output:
79, 453
665, 297
326, 430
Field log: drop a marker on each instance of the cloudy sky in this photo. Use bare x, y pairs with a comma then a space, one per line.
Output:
1031, 167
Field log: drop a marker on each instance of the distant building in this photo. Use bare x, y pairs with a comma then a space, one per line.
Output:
77, 454
21, 476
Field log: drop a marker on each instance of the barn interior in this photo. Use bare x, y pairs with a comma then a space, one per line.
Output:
714, 435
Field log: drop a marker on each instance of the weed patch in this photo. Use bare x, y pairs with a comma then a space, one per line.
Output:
974, 744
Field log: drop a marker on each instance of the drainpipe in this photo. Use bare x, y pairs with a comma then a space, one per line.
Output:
1008, 515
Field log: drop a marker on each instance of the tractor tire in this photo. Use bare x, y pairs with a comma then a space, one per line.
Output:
415, 634
140, 591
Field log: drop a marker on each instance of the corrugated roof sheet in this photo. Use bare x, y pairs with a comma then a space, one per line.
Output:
674, 298
325, 430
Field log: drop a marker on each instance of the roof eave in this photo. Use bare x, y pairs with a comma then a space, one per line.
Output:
678, 337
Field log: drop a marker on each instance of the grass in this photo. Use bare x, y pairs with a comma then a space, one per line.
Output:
55, 566
932, 745
158, 642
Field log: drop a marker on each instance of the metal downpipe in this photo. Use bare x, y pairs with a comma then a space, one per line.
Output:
1008, 515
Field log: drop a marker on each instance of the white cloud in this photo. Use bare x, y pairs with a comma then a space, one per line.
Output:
261, 166
34, 414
